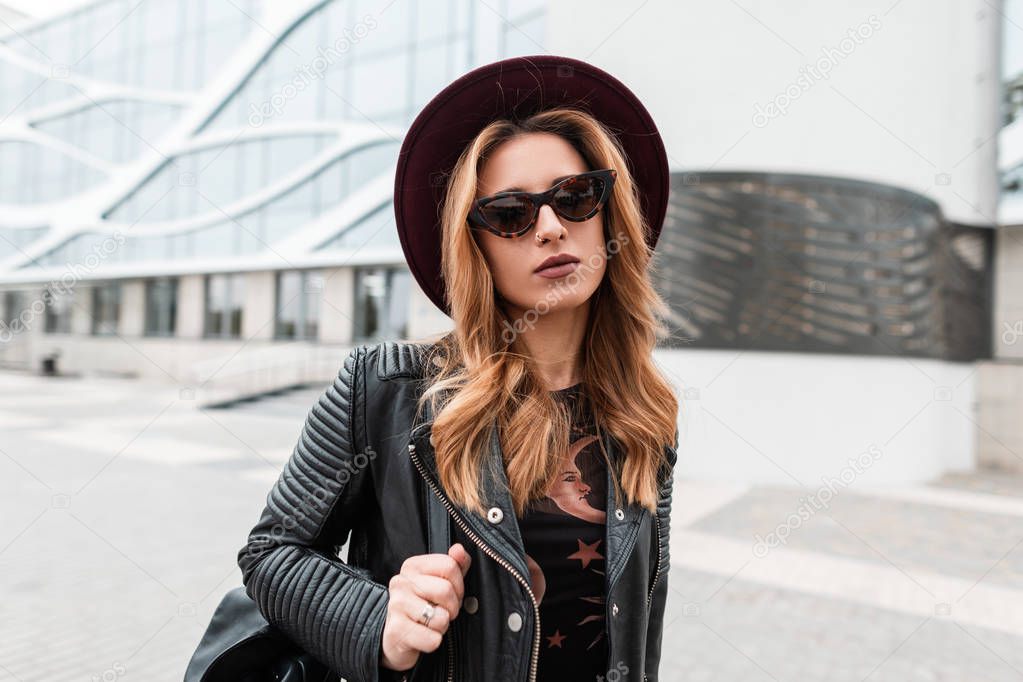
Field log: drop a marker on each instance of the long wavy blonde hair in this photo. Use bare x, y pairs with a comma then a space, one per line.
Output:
477, 378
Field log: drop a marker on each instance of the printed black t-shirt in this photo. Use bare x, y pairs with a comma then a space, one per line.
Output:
563, 534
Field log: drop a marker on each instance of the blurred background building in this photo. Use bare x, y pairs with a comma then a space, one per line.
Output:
211, 180
200, 190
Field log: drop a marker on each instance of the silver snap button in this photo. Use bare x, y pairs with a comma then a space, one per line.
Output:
614, 609
494, 515
619, 514
514, 621
470, 604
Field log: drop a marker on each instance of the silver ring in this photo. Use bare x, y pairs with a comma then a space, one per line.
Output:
427, 614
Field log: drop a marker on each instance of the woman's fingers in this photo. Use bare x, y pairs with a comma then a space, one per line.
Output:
440, 565
404, 640
433, 589
409, 608
460, 555
435, 580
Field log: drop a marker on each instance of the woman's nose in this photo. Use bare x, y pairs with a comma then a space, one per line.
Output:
548, 225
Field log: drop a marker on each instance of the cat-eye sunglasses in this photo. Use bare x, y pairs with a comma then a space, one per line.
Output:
576, 198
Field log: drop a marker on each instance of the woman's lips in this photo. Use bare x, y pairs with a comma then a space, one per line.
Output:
556, 271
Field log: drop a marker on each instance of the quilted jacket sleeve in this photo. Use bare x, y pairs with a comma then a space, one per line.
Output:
655, 624
289, 563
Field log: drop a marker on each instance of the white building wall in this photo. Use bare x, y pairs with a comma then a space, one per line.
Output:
191, 307
426, 319
1008, 299
914, 104
1000, 382
81, 311
132, 320
904, 94
258, 312
336, 312
785, 417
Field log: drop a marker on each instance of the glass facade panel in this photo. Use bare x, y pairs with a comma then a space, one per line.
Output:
225, 300
161, 306
106, 308
170, 45
259, 228
14, 240
22, 91
31, 174
378, 229
14, 311
299, 293
58, 310
206, 180
413, 49
114, 130
381, 303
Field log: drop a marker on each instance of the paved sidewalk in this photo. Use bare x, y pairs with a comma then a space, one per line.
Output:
124, 507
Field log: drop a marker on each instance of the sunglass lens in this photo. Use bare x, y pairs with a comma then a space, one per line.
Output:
579, 197
508, 214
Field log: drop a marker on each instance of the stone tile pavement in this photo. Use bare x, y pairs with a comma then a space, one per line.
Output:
124, 507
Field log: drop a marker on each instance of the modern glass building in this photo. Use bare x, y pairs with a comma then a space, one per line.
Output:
198, 178
200, 191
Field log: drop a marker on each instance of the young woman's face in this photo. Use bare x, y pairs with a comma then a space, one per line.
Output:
532, 163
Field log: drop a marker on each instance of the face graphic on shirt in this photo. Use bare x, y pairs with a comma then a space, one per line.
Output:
569, 491
577, 491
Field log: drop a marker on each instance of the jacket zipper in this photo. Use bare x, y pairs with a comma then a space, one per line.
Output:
657, 571
451, 660
496, 557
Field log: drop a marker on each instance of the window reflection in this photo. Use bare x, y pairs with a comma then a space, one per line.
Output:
205, 180
381, 303
31, 174
106, 308
161, 306
58, 310
299, 293
161, 45
224, 302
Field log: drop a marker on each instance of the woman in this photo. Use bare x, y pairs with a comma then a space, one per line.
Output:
540, 421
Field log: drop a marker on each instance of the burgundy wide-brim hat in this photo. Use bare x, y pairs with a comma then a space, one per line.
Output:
513, 88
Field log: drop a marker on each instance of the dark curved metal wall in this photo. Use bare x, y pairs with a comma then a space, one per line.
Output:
772, 261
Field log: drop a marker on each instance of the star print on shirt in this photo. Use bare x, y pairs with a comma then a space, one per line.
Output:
587, 552
556, 639
563, 534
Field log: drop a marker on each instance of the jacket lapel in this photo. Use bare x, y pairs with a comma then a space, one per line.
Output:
504, 537
620, 533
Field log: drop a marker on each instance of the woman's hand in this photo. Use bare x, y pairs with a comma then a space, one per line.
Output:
424, 579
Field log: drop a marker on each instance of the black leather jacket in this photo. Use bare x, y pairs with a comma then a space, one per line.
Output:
358, 467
